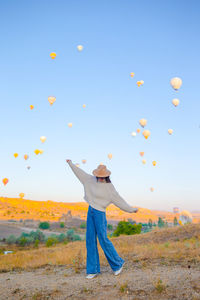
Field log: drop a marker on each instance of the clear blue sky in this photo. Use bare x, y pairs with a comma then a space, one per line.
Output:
157, 40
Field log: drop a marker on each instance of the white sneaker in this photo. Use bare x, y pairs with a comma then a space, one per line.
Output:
118, 271
90, 276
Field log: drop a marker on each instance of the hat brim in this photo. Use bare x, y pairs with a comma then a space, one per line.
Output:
97, 174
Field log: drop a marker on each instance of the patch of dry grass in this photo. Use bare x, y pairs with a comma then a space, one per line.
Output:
139, 248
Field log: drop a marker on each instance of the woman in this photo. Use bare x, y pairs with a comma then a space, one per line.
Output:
99, 193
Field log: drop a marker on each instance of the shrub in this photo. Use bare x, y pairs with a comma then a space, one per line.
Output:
127, 228
83, 225
44, 225
70, 234
62, 225
76, 237
11, 239
110, 227
36, 243
37, 235
51, 241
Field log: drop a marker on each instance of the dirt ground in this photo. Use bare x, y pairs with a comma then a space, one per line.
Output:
137, 281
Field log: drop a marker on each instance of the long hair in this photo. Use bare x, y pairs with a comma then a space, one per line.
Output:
107, 179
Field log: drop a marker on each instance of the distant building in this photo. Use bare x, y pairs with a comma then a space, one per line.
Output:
185, 217
176, 210
66, 217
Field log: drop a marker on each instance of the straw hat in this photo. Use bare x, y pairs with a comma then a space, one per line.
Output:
101, 171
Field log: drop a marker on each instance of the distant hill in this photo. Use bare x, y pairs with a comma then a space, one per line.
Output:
15, 208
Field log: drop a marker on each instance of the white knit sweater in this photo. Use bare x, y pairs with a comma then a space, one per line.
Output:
98, 194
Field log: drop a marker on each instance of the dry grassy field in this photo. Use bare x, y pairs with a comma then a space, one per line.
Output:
163, 264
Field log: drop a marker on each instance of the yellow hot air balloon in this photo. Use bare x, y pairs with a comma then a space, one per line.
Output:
154, 163
53, 55
26, 156
37, 151
110, 155
176, 83
78, 165
16, 155
138, 83
31, 107
175, 102
84, 105
143, 122
41, 151
21, 195
132, 74
43, 139
144, 161
51, 100
170, 131
146, 133
83, 161
141, 153
69, 125
138, 130
133, 133
5, 181
80, 48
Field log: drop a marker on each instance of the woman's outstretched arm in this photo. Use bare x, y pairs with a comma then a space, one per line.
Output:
80, 174
117, 200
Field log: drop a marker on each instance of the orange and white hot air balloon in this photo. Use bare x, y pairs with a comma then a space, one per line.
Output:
41, 151
133, 134
110, 155
170, 131
5, 181
51, 99
138, 130
146, 134
151, 189
175, 102
141, 153
53, 55
154, 163
31, 107
83, 161
80, 48
143, 122
69, 125
16, 155
37, 151
176, 83
26, 156
84, 105
144, 161
21, 195
132, 74
43, 139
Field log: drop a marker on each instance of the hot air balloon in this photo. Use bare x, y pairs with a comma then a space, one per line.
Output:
16, 155
151, 189
142, 81
175, 102
154, 163
170, 131
26, 156
84, 105
143, 122
41, 151
142, 153
37, 151
132, 74
21, 195
69, 125
28, 167
146, 133
5, 181
144, 161
133, 133
43, 139
51, 100
80, 48
176, 83
53, 55
78, 165
138, 130
138, 83
83, 161
110, 155
31, 107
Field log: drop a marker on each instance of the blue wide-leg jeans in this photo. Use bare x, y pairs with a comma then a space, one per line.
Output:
97, 227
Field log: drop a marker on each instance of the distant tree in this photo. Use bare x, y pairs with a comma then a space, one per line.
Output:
161, 223
44, 225
110, 227
62, 225
83, 225
11, 239
175, 221
150, 223
127, 228
51, 241
131, 221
